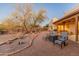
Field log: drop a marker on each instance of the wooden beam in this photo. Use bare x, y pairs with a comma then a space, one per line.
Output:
76, 28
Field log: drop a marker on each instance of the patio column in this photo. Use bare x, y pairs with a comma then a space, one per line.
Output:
64, 26
76, 28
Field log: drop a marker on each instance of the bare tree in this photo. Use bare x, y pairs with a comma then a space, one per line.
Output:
39, 17
27, 18
24, 14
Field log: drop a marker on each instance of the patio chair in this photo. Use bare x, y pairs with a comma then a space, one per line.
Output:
53, 36
62, 40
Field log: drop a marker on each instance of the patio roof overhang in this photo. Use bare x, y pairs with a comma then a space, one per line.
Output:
67, 17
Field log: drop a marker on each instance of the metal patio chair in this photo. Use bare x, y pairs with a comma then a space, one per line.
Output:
62, 39
53, 36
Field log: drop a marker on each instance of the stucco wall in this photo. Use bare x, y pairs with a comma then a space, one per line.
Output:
72, 28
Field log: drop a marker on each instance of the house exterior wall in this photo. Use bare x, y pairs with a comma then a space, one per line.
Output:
68, 27
72, 29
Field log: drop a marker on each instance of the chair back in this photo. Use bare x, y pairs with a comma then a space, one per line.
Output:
53, 33
64, 36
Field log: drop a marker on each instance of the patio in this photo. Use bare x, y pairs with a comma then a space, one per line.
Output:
41, 47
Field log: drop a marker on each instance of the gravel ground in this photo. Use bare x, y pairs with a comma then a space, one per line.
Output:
12, 46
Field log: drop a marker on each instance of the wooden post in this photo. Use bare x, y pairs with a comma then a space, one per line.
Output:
76, 28
64, 26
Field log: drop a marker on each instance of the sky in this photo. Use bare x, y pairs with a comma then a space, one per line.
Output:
53, 9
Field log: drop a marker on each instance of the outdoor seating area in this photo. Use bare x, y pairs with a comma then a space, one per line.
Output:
59, 39
44, 47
